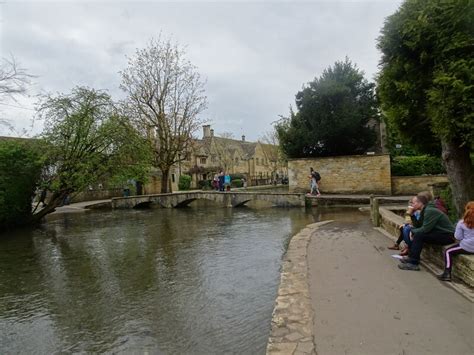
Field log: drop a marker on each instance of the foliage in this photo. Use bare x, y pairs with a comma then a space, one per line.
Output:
426, 83
237, 183
236, 176
417, 165
184, 182
165, 97
205, 184
447, 196
20, 168
88, 141
333, 115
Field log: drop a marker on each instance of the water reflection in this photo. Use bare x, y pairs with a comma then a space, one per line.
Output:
194, 280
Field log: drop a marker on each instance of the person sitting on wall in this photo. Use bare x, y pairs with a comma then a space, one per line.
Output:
436, 228
406, 228
464, 233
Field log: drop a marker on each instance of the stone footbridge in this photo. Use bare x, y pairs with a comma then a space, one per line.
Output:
225, 199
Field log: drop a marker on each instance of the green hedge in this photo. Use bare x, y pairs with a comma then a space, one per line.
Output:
236, 176
184, 183
204, 184
20, 169
417, 165
237, 183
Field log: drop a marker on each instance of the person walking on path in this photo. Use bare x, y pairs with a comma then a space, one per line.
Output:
314, 182
465, 234
436, 228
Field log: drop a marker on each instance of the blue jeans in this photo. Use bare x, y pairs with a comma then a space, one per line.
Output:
406, 234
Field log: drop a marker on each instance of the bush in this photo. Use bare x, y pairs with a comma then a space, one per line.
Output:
447, 196
20, 169
236, 176
184, 183
417, 165
204, 184
237, 183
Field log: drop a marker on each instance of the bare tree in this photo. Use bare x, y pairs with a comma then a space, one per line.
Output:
225, 150
272, 149
166, 94
14, 81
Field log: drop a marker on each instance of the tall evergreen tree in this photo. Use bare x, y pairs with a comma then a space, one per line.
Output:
332, 116
426, 83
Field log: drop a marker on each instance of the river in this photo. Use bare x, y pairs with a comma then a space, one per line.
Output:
198, 280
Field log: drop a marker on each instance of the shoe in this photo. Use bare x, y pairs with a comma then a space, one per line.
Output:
409, 266
393, 247
445, 276
405, 252
408, 260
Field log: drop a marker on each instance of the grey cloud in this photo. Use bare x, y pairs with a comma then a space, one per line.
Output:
255, 56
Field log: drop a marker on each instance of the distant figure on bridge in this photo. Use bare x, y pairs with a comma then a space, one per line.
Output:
221, 181
215, 182
227, 182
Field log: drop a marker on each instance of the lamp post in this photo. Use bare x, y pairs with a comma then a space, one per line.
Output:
179, 165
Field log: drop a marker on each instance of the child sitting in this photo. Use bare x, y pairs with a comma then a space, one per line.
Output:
465, 234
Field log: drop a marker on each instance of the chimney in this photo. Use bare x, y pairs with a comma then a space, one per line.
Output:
206, 131
212, 132
243, 138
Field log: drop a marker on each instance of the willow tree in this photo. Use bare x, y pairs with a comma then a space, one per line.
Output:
166, 95
85, 140
426, 83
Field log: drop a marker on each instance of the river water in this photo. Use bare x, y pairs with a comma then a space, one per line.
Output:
198, 280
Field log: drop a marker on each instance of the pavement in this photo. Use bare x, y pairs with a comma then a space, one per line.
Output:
363, 304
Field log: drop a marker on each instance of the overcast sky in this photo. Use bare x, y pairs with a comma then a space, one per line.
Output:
255, 56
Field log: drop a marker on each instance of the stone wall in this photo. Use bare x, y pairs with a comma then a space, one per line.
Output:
411, 185
345, 174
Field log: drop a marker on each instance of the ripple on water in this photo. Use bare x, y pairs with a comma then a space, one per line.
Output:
195, 280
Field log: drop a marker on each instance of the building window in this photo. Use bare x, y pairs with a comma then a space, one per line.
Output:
256, 161
203, 160
172, 178
236, 160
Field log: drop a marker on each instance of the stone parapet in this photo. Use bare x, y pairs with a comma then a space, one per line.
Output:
292, 320
355, 174
406, 185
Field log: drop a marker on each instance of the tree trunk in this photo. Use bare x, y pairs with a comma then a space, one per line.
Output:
457, 162
165, 186
56, 199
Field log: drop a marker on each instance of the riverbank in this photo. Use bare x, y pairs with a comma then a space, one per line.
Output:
361, 302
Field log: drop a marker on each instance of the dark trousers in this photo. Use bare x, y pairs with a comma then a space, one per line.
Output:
452, 251
431, 238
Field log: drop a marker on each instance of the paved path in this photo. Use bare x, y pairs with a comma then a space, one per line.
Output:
82, 206
363, 304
